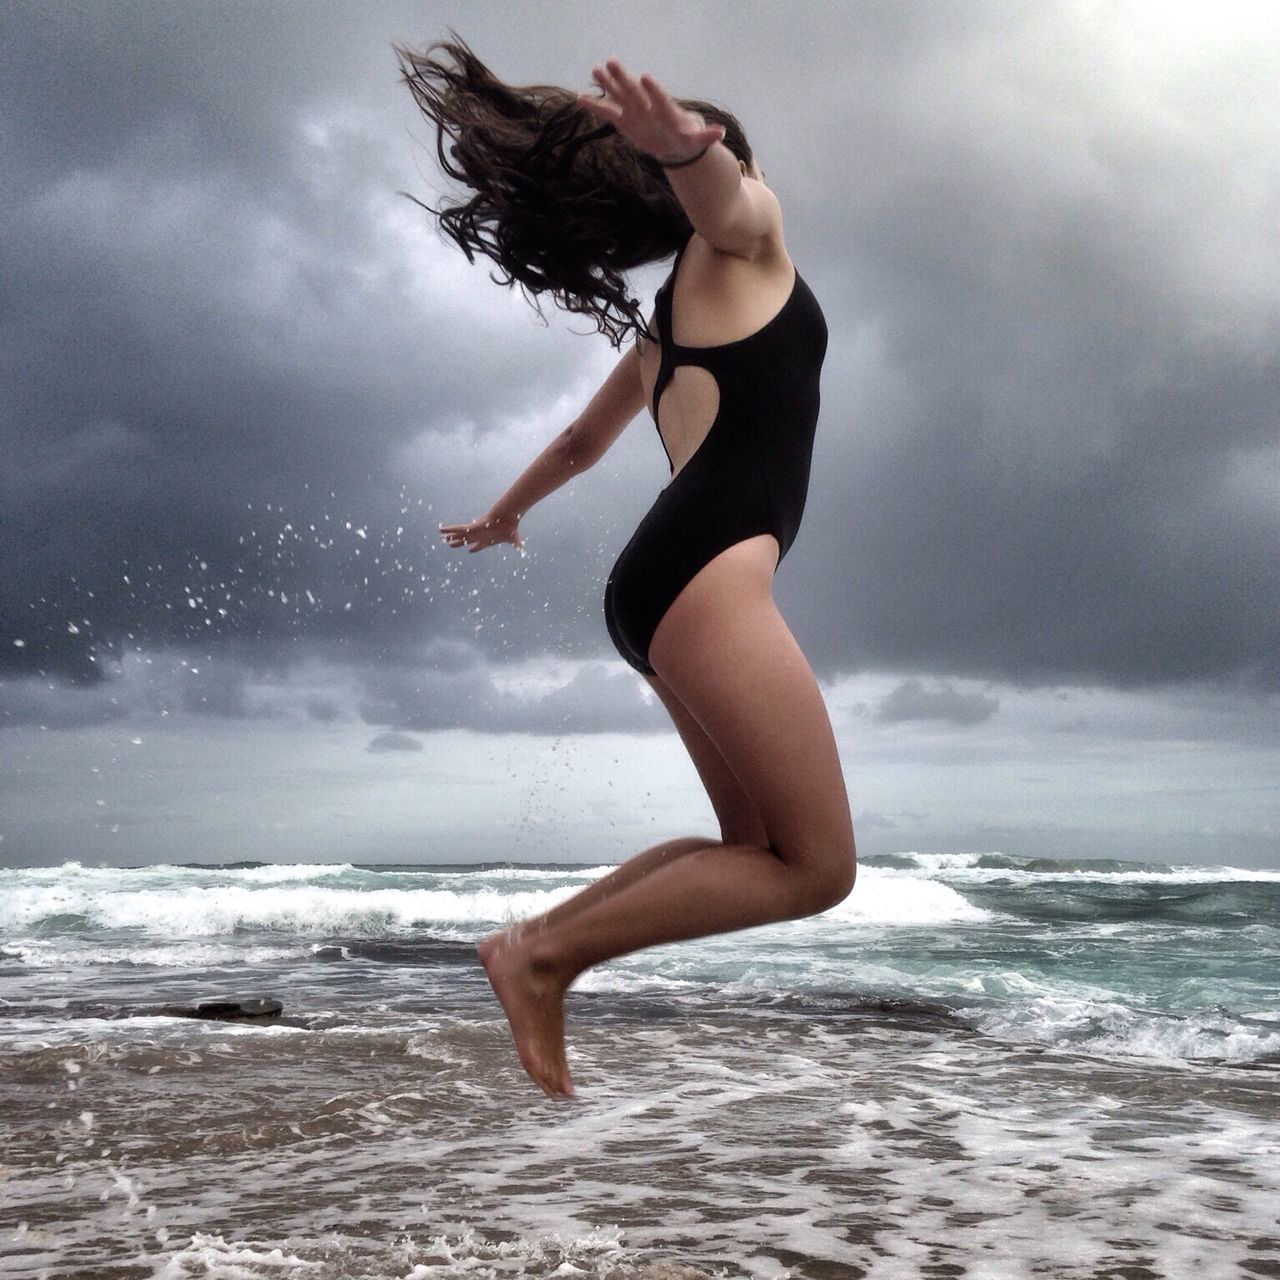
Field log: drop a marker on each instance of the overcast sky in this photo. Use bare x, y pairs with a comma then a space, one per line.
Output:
243, 378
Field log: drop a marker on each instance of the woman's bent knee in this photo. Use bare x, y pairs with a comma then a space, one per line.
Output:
830, 890
818, 888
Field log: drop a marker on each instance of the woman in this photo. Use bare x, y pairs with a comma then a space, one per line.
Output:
731, 379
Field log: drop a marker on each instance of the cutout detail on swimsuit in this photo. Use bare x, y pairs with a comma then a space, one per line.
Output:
691, 414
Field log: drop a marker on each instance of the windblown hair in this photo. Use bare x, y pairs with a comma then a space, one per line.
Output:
562, 203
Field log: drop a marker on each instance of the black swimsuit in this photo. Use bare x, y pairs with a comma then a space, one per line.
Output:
749, 475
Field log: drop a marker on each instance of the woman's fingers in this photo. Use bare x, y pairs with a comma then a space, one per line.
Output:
610, 106
456, 534
658, 96
628, 94
646, 114
477, 535
612, 94
611, 77
626, 86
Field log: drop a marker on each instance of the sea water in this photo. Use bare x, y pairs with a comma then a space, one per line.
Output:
977, 1065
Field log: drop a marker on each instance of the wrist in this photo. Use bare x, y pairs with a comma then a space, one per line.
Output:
680, 163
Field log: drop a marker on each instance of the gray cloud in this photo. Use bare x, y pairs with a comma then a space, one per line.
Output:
1044, 240
394, 742
912, 700
56, 704
869, 819
455, 689
446, 684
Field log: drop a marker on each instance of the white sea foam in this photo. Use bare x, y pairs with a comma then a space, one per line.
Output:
464, 1252
945, 861
583, 872
308, 910
1096, 1024
211, 1255
285, 872
50, 953
884, 896
285, 905
615, 979
965, 865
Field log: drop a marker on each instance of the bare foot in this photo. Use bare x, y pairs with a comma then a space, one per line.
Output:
533, 1000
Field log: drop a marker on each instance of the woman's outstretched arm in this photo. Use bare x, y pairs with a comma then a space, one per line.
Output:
579, 446
734, 214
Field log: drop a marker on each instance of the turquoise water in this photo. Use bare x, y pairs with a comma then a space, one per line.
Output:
1174, 963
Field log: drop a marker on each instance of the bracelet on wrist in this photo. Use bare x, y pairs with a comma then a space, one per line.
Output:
680, 164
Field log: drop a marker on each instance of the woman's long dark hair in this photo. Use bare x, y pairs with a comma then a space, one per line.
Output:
562, 203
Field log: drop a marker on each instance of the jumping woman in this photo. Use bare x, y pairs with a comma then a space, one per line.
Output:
728, 365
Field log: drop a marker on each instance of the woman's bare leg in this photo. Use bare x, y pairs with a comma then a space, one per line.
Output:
735, 812
626, 873
725, 651
711, 890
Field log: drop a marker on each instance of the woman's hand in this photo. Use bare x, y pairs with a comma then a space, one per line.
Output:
647, 116
489, 529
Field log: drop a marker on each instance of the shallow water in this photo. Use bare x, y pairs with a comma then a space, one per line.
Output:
745, 1143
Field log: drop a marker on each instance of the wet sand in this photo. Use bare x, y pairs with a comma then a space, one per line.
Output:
739, 1143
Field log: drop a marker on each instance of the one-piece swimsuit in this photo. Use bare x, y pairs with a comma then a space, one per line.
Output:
750, 474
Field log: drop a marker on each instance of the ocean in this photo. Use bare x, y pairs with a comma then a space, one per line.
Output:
978, 1066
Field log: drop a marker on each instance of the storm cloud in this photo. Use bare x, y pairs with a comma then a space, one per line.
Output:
912, 700
243, 378
1044, 237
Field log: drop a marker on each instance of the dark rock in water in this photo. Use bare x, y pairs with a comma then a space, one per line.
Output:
425, 952
259, 1009
328, 953
223, 866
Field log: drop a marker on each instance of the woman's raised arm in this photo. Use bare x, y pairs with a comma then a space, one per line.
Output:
580, 445
735, 216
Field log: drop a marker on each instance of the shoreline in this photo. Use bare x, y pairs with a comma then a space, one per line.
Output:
751, 1143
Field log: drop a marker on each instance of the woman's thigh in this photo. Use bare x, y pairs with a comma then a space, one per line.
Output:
734, 809
726, 653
